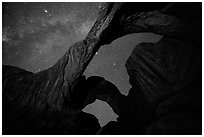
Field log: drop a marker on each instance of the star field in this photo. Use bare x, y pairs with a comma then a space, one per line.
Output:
40, 33
36, 35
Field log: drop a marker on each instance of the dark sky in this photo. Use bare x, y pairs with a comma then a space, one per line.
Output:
36, 35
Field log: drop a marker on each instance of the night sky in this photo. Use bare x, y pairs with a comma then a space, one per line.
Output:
36, 35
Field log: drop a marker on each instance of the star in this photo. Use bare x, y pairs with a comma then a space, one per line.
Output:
40, 51
65, 23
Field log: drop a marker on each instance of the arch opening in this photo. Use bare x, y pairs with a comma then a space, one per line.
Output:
109, 62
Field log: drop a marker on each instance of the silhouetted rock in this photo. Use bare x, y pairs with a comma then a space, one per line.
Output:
168, 76
38, 103
30, 105
166, 93
34, 103
164, 68
165, 78
176, 124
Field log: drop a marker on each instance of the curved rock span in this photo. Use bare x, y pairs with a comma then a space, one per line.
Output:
165, 97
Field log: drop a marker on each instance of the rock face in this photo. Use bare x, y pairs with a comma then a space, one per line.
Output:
31, 105
164, 68
166, 93
168, 75
49, 102
37, 103
165, 97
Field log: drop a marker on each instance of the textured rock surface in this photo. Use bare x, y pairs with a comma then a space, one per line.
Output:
165, 77
168, 77
31, 105
166, 93
34, 103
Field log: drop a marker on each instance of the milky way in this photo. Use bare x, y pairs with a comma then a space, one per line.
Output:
36, 35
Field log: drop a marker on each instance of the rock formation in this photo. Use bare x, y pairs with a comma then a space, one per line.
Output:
47, 102
165, 78
166, 93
